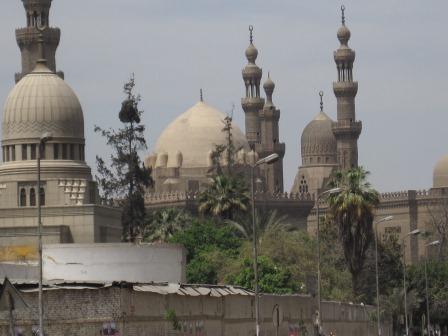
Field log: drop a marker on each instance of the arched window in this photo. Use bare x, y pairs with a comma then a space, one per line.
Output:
22, 200
42, 196
32, 197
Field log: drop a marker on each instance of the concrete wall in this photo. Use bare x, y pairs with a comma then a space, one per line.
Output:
85, 312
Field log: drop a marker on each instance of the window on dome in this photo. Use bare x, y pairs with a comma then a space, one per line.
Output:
81, 152
64, 151
33, 151
32, 197
13, 153
7, 153
24, 152
56, 151
72, 151
22, 200
43, 151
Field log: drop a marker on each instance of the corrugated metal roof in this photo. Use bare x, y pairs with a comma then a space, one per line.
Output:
192, 290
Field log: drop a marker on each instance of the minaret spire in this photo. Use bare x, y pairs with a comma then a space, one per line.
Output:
201, 96
346, 129
270, 140
252, 103
28, 38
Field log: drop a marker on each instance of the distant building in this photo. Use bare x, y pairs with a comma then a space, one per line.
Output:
41, 102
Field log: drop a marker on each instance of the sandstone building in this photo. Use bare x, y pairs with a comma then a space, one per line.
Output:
42, 102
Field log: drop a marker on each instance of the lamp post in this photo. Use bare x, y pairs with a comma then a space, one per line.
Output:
436, 242
43, 139
319, 196
385, 219
267, 160
412, 233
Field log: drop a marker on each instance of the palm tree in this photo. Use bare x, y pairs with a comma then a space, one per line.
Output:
165, 223
264, 224
226, 196
352, 210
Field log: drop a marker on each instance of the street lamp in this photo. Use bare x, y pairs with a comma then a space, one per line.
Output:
319, 196
385, 219
43, 139
266, 160
412, 233
434, 243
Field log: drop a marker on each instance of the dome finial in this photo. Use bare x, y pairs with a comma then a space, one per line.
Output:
343, 14
201, 95
321, 94
251, 30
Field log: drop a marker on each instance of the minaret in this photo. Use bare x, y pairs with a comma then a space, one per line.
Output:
37, 14
252, 103
270, 142
346, 129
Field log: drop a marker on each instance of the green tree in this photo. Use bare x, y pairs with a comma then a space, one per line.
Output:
225, 197
273, 278
209, 248
390, 271
124, 181
437, 290
352, 210
164, 223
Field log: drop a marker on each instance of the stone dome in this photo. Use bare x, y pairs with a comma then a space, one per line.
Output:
318, 142
440, 175
194, 134
42, 102
344, 34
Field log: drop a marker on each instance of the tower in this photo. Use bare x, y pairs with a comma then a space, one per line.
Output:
252, 103
346, 129
270, 142
37, 15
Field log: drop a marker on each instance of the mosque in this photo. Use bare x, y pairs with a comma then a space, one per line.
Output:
42, 101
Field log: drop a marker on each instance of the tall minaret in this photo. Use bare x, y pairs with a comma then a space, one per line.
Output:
346, 129
270, 140
37, 14
252, 103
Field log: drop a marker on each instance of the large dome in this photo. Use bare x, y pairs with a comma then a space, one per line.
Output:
42, 102
318, 141
440, 175
194, 134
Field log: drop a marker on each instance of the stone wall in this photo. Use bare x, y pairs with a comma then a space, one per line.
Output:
96, 311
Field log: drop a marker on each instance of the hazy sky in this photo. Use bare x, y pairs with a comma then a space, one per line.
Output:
177, 47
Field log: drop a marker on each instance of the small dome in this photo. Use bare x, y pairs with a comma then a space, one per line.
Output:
251, 53
440, 175
195, 133
344, 35
269, 85
318, 140
42, 102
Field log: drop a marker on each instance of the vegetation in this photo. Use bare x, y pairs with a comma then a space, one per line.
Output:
225, 197
353, 211
125, 178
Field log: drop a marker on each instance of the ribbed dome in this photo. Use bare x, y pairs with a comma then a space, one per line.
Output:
440, 175
318, 141
194, 134
42, 102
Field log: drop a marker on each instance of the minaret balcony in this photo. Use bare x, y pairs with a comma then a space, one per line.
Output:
346, 128
30, 35
345, 89
252, 103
